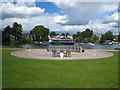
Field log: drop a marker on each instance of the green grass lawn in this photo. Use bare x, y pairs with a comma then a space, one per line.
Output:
33, 73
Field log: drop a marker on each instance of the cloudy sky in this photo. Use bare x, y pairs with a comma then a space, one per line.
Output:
61, 15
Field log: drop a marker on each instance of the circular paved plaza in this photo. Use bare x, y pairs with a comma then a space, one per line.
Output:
47, 55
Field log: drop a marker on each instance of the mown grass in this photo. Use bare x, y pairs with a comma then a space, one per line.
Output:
33, 73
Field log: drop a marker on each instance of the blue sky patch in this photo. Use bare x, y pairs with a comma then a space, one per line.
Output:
49, 7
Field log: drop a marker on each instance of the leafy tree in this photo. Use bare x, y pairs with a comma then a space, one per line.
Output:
67, 34
87, 33
78, 34
17, 30
74, 37
53, 34
107, 36
41, 33
102, 39
89, 40
57, 34
63, 34
6, 34
9, 33
95, 39
84, 36
78, 37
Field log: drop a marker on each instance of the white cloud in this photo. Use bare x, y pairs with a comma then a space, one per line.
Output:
10, 10
64, 0
58, 1
111, 18
17, 0
29, 3
60, 19
102, 28
82, 12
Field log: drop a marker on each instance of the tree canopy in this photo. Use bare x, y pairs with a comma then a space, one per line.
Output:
53, 34
6, 34
67, 34
41, 33
87, 33
83, 36
107, 36
17, 30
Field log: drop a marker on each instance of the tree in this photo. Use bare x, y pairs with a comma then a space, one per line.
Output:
95, 39
78, 34
102, 39
107, 36
87, 33
74, 37
12, 33
53, 34
89, 40
6, 34
17, 30
40, 32
63, 34
85, 36
67, 34
77, 37
57, 34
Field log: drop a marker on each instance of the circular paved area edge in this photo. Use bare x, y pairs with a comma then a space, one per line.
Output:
45, 55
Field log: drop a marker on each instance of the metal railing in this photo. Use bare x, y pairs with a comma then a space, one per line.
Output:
65, 50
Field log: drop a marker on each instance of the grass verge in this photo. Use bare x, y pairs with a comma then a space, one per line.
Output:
32, 73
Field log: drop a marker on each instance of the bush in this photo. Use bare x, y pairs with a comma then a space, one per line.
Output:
26, 41
21, 41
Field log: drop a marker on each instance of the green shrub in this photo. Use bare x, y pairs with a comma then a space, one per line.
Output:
21, 41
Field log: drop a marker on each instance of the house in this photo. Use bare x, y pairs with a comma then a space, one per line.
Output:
115, 37
28, 36
98, 35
